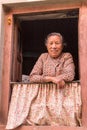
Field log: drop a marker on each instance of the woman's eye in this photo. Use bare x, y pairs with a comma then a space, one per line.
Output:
50, 43
57, 43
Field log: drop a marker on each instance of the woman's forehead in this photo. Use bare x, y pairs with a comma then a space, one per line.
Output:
51, 38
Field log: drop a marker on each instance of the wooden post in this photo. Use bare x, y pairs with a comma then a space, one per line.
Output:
83, 59
7, 57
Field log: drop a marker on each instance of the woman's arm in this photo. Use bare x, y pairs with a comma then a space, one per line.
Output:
36, 74
68, 72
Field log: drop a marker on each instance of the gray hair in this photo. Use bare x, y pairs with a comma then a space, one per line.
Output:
54, 34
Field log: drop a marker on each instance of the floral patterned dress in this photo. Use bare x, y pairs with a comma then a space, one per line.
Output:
61, 67
40, 103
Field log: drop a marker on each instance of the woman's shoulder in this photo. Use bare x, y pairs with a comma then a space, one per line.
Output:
67, 55
43, 56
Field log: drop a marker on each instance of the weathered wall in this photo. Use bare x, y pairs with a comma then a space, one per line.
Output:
1, 45
14, 3
10, 3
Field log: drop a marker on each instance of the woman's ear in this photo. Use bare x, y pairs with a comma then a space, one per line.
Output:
46, 45
64, 46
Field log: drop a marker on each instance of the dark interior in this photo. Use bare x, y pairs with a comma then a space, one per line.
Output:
34, 32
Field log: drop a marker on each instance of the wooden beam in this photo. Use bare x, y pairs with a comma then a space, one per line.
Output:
32, 8
6, 67
83, 59
49, 128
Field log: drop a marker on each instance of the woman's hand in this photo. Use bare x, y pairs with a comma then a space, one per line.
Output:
55, 80
60, 82
48, 79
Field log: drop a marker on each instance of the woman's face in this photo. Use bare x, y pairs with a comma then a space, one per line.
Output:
54, 46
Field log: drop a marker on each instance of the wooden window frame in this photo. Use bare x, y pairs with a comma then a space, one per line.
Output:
8, 44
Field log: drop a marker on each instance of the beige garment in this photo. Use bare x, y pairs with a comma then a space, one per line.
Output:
45, 104
61, 67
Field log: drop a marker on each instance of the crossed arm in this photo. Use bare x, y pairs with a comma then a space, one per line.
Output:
66, 75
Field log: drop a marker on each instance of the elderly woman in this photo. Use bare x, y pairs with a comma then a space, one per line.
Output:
54, 66
47, 100
44, 103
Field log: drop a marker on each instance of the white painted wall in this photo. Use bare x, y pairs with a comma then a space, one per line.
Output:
20, 1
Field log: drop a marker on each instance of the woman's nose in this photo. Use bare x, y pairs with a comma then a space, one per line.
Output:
54, 45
